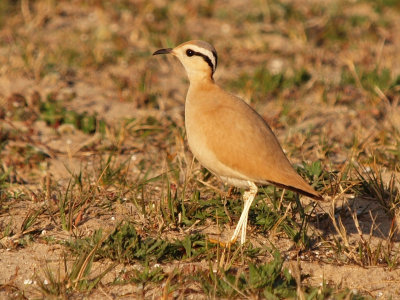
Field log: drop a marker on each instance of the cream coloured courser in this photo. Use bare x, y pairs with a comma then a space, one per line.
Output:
227, 136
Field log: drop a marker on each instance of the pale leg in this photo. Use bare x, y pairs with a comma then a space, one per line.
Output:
248, 198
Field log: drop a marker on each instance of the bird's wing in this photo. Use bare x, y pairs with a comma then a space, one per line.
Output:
246, 144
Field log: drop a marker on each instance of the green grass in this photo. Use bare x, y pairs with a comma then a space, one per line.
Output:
70, 280
55, 114
125, 245
371, 80
372, 185
264, 83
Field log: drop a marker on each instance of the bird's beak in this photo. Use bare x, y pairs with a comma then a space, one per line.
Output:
163, 51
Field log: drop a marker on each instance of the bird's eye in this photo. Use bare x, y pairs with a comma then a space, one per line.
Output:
189, 52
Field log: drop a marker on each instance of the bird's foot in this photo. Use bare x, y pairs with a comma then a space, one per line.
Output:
223, 244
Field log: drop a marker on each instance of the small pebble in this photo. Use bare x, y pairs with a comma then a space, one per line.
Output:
28, 281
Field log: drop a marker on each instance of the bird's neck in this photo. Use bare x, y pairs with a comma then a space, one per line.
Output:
199, 76
200, 81
199, 90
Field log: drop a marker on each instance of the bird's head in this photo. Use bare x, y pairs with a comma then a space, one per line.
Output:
198, 57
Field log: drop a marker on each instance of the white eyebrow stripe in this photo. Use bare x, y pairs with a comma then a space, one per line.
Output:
206, 52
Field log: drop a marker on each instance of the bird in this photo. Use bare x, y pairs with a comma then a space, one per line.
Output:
228, 137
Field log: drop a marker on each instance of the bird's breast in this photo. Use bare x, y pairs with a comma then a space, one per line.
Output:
199, 127
196, 123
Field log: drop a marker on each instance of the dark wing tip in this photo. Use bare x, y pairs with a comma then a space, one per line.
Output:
315, 195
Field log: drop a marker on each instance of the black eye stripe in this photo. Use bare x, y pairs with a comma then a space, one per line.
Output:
206, 59
190, 52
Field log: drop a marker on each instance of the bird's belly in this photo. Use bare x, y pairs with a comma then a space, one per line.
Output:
235, 182
208, 159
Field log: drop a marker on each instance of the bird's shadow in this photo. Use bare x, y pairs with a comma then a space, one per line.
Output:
358, 216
